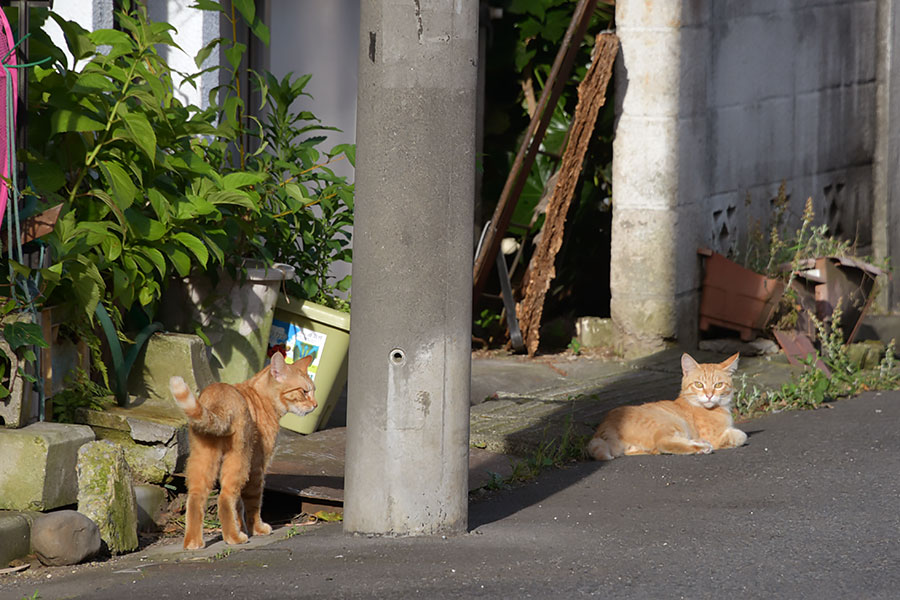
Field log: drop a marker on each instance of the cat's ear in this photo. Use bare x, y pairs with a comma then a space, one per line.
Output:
278, 367
688, 364
306, 361
730, 364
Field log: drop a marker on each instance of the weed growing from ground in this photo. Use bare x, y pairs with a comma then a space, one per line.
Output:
553, 452
222, 554
812, 386
575, 346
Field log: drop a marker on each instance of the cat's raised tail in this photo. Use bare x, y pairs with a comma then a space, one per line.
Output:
200, 419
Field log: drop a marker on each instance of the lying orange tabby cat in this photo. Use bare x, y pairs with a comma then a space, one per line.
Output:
235, 426
697, 422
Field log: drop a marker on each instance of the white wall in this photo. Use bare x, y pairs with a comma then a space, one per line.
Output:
322, 38
194, 30
92, 15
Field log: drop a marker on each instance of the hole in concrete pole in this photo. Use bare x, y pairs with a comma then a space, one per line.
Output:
398, 356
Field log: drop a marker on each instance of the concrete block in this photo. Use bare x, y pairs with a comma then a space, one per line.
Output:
722, 216
660, 163
15, 536
106, 494
749, 59
153, 435
37, 471
651, 68
152, 463
823, 58
596, 331
165, 355
664, 72
151, 501
645, 318
741, 8
835, 128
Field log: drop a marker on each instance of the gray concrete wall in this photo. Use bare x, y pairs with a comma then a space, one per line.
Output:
718, 103
886, 187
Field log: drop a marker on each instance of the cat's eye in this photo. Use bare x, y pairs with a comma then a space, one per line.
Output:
698, 385
720, 385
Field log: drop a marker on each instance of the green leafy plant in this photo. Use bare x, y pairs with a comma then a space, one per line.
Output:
812, 387
19, 336
495, 482
292, 531
307, 209
304, 210
575, 346
80, 393
522, 48
782, 250
556, 451
228, 551
154, 190
125, 157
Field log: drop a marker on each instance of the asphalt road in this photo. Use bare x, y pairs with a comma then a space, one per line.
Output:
808, 509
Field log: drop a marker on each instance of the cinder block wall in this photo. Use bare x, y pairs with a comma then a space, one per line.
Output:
719, 101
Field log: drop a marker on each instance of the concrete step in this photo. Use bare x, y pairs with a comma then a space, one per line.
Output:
38, 467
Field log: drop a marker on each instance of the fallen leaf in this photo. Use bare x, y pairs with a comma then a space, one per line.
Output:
324, 515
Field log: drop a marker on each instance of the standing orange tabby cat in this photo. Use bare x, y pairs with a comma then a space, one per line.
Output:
232, 436
697, 422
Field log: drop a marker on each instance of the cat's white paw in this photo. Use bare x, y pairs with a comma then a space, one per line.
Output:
732, 438
239, 538
262, 528
703, 447
599, 449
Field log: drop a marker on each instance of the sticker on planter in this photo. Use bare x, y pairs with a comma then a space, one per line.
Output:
295, 342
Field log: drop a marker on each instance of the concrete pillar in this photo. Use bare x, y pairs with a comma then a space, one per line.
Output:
408, 404
886, 177
658, 172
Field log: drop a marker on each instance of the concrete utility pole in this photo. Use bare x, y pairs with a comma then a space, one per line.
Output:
408, 410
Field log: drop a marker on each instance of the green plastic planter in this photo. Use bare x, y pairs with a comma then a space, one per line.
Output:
301, 327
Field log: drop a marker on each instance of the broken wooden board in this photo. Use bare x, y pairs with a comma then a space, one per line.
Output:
826, 283
531, 142
542, 269
798, 348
